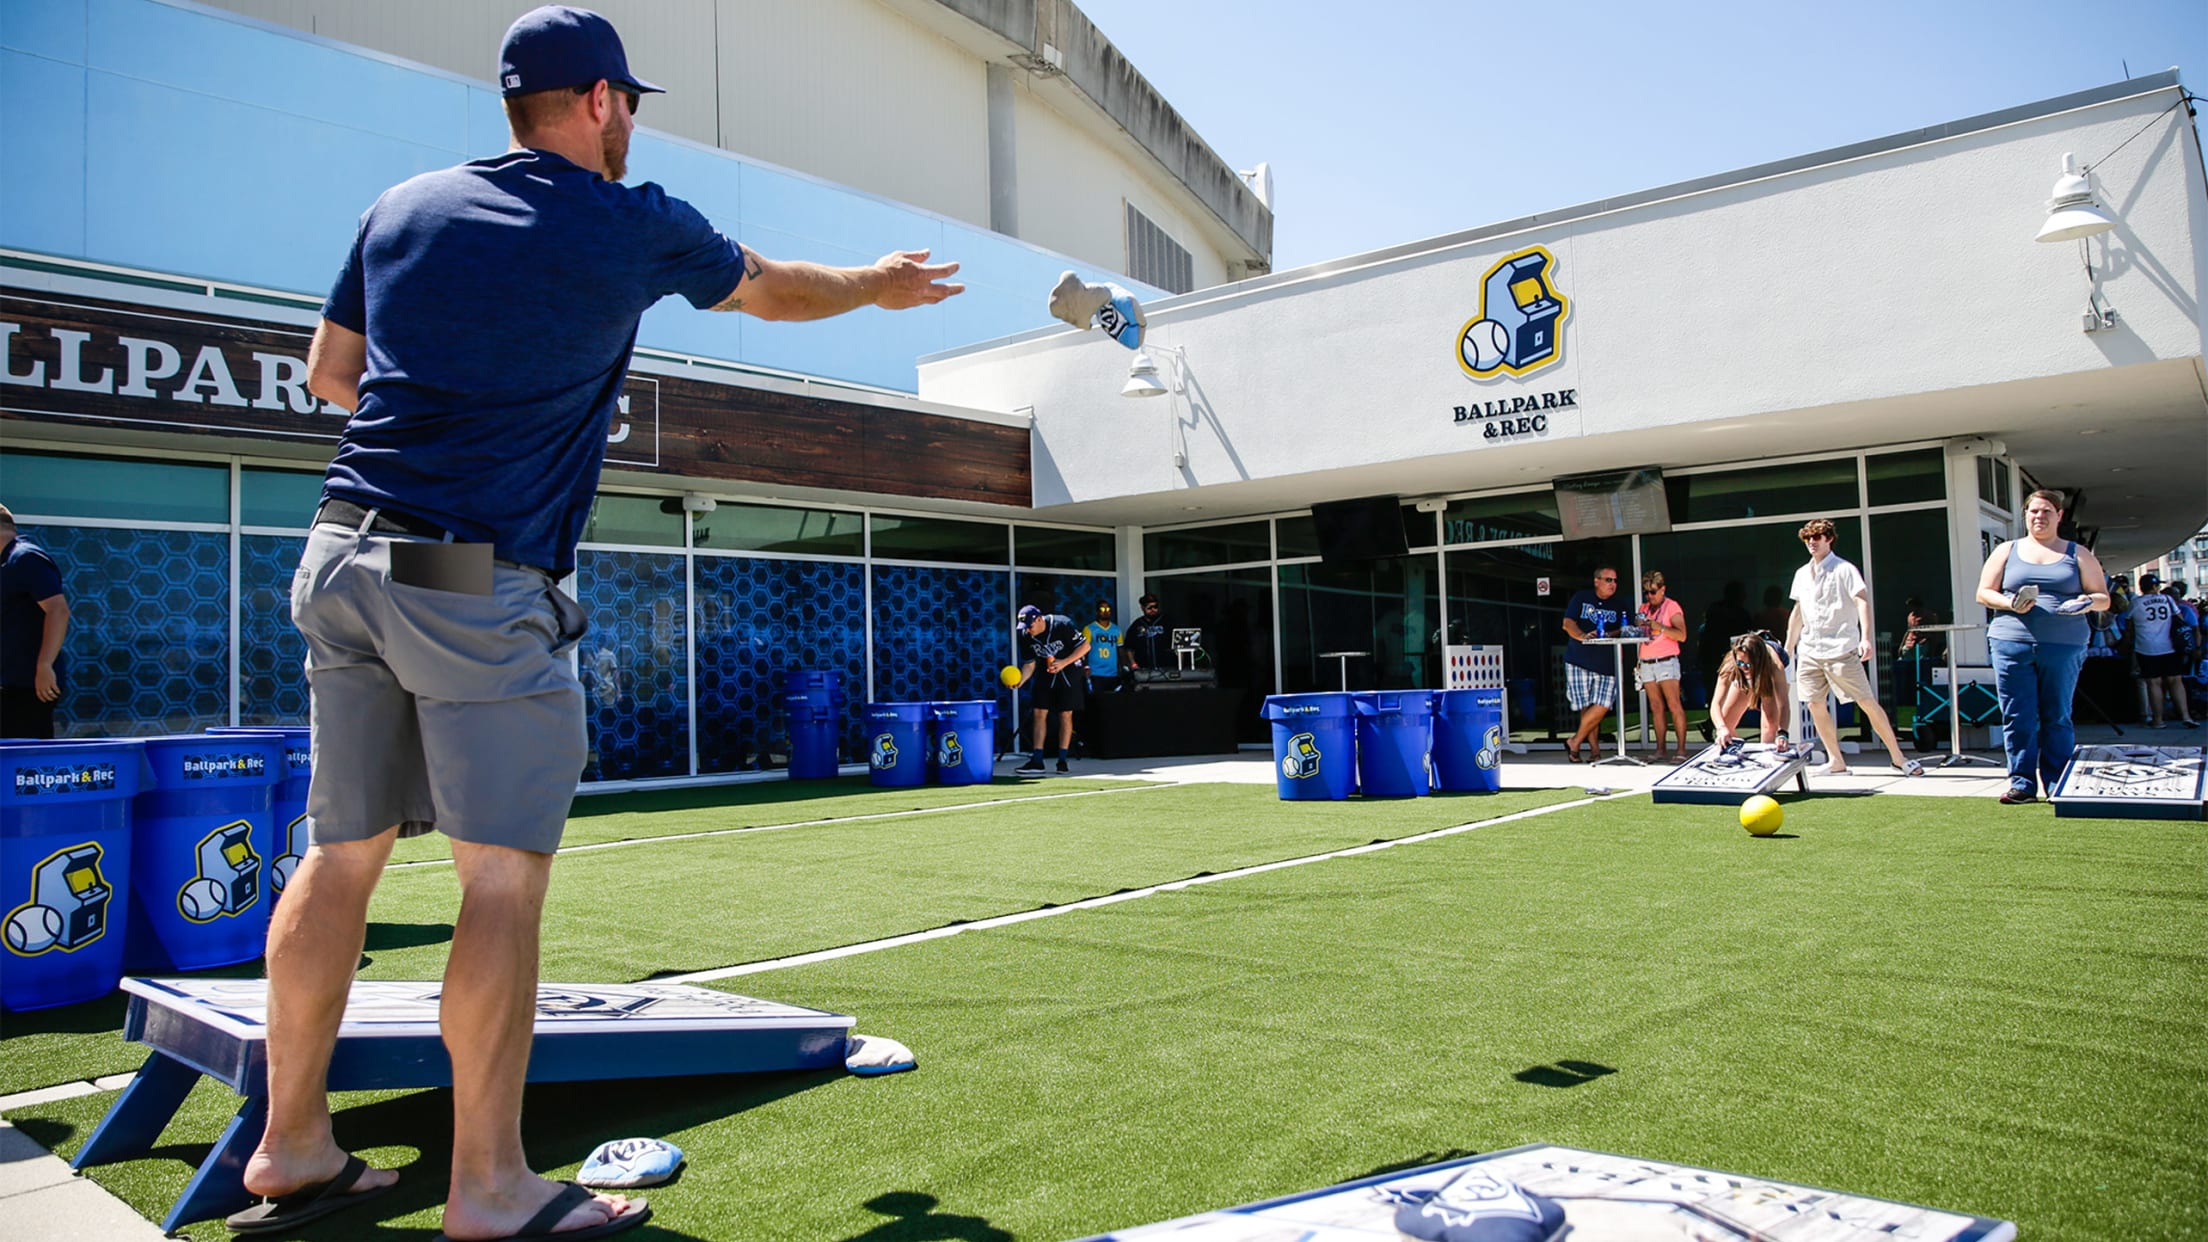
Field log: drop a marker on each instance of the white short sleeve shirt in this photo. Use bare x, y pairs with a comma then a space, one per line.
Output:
1826, 590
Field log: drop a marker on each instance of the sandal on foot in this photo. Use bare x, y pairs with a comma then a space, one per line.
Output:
538, 1228
307, 1203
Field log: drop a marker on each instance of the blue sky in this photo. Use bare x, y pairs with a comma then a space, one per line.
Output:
1391, 120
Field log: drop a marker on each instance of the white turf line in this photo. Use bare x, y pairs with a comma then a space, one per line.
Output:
1006, 920
814, 823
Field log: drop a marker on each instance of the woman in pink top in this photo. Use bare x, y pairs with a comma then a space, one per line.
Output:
1666, 624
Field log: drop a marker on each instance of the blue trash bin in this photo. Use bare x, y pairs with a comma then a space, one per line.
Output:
963, 740
897, 744
813, 700
203, 832
1468, 741
1314, 745
290, 807
1395, 733
65, 811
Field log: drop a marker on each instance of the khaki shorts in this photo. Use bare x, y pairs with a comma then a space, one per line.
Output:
1842, 675
433, 708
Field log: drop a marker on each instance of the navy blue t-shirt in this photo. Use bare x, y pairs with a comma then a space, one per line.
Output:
27, 576
1587, 610
500, 301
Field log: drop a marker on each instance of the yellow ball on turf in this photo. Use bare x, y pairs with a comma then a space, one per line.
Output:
1009, 675
1761, 816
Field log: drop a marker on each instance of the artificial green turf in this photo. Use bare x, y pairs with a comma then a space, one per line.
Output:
670, 907
1934, 1000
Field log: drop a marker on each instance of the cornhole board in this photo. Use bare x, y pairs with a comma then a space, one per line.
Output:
389, 1040
2130, 782
1703, 779
1605, 1198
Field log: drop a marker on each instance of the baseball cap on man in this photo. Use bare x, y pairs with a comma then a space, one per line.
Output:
1028, 613
556, 46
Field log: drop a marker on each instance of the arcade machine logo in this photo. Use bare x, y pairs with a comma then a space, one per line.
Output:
1520, 327
948, 753
882, 756
229, 879
1302, 759
68, 905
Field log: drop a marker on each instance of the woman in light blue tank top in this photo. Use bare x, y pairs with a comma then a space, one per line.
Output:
2039, 589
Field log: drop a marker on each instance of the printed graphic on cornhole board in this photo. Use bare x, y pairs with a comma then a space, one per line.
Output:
1707, 779
2130, 782
1605, 1198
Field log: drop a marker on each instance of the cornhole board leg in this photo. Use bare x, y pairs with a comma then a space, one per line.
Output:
2131, 782
1704, 781
135, 1120
217, 1187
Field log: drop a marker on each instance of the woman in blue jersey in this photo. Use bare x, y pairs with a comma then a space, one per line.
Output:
2040, 588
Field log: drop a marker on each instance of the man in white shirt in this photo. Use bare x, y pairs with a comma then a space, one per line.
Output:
1828, 635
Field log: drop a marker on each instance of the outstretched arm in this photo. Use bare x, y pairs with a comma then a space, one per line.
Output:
795, 290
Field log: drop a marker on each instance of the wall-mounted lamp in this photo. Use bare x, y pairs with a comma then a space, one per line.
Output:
2072, 214
1142, 377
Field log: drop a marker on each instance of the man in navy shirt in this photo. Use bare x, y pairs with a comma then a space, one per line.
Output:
1591, 673
479, 333
1055, 642
34, 618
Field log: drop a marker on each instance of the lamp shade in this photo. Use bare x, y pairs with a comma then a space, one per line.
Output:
2071, 211
1142, 378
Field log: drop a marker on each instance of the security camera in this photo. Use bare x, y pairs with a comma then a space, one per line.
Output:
1432, 506
694, 503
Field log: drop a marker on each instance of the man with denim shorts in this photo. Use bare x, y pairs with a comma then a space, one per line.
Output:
1828, 639
479, 332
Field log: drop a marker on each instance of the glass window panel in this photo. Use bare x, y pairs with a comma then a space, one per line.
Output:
149, 628
772, 528
1909, 562
635, 520
1234, 609
57, 485
938, 539
1495, 600
1418, 528
1299, 536
1729, 495
634, 664
1228, 544
1905, 478
1389, 610
1043, 547
278, 497
1486, 519
1732, 579
1993, 483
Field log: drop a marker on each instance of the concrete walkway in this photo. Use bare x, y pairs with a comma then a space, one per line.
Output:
40, 1197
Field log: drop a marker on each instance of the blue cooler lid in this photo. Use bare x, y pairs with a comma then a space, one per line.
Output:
194, 761
36, 772
1326, 705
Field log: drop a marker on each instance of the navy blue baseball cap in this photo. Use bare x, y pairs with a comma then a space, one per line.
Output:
1028, 615
556, 46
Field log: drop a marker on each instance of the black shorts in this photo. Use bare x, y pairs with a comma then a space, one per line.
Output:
24, 714
2168, 664
1058, 692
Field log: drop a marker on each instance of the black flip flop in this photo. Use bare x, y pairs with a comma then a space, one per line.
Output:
306, 1203
1571, 752
538, 1228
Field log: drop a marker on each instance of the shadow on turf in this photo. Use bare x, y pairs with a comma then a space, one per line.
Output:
762, 793
913, 1218
561, 1123
382, 936
1416, 1162
1564, 1073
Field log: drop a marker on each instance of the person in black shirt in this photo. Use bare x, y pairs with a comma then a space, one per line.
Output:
1057, 644
1149, 644
34, 618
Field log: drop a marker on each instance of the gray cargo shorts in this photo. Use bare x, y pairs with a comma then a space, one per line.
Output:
437, 708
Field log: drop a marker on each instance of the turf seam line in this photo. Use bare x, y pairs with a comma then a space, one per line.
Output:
1091, 903
809, 823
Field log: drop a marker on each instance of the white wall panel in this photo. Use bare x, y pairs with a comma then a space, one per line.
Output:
1073, 191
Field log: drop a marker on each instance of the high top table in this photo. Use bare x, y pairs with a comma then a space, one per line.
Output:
1619, 643
1954, 697
1345, 657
